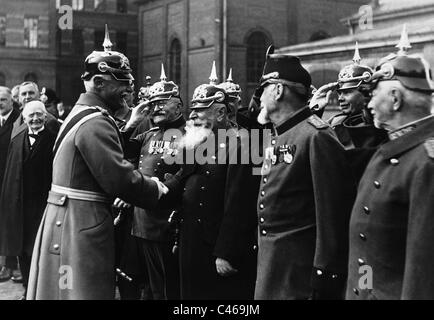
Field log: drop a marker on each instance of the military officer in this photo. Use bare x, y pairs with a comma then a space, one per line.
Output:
392, 221
353, 126
73, 256
217, 236
153, 148
305, 193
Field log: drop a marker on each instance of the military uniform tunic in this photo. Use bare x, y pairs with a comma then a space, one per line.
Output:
303, 211
75, 243
392, 221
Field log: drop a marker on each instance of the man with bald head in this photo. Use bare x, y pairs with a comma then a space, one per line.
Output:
26, 184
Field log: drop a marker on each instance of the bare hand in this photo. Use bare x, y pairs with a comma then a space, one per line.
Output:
321, 97
224, 268
138, 113
162, 189
121, 204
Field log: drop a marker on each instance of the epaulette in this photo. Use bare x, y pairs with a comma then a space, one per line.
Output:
429, 147
317, 122
153, 129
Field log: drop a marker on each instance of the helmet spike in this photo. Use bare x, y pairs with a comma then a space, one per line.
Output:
403, 44
356, 58
213, 77
163, 74
107, 44
229, 79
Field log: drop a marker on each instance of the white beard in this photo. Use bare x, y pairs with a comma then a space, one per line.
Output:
263, 116
194, 136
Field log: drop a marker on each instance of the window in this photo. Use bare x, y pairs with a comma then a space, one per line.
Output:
77, 41
2, 79
31, 32
121, 42
122, 6
2, 30
31, 77
99, 5
256, 49
175, 61
77, 5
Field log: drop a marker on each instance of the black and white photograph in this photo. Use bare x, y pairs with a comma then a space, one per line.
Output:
216, 154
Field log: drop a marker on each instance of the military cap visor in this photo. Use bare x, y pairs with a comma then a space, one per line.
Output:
206, 95
111, 62
409, 71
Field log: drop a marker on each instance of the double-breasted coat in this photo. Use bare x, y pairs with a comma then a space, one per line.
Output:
392, 221
73, 257
303, 210
5, 139
218, 220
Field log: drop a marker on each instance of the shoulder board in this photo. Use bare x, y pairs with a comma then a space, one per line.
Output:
102, 110
317, 122
429, 147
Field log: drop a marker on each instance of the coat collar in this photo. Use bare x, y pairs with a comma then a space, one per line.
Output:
92, 99
293, 120
421, 130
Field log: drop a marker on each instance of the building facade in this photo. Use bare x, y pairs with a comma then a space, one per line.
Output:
326, 57
33, 47
188, 35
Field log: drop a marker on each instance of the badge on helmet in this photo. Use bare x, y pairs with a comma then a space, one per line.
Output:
163, 89
108, 62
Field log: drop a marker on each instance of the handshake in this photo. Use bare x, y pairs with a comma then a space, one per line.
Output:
162, 189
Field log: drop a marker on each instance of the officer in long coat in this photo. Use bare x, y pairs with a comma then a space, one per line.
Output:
156, 150
305, 193
392, 221
217, 230
73, 257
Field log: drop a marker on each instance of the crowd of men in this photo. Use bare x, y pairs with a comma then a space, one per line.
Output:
341, 207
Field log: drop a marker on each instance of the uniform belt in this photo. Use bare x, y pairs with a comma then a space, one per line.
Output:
81, 194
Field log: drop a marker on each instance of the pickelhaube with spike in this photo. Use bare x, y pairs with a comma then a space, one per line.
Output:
108, 62
413, 72
208, 93
144, 91
163, 89
354, 75
232, 89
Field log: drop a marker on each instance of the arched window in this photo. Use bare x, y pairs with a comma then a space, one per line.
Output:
31, 77
256, 48
2, 79
175, 62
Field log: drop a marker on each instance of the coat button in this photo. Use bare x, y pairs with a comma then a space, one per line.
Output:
207, 173
141, 156
366, 210
262, 220
202, 188
265, 180
394, 162
56, 247
255, 247
261, 206
356, 292
199, 221
377, 184
158, 164
264, 232
200, 204
140, 168
140, 161
361, 262
334, 276
362, 236
319, 272
262, 193
273, 142
58, 223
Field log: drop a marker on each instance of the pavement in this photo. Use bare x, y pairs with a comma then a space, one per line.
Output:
10, 290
